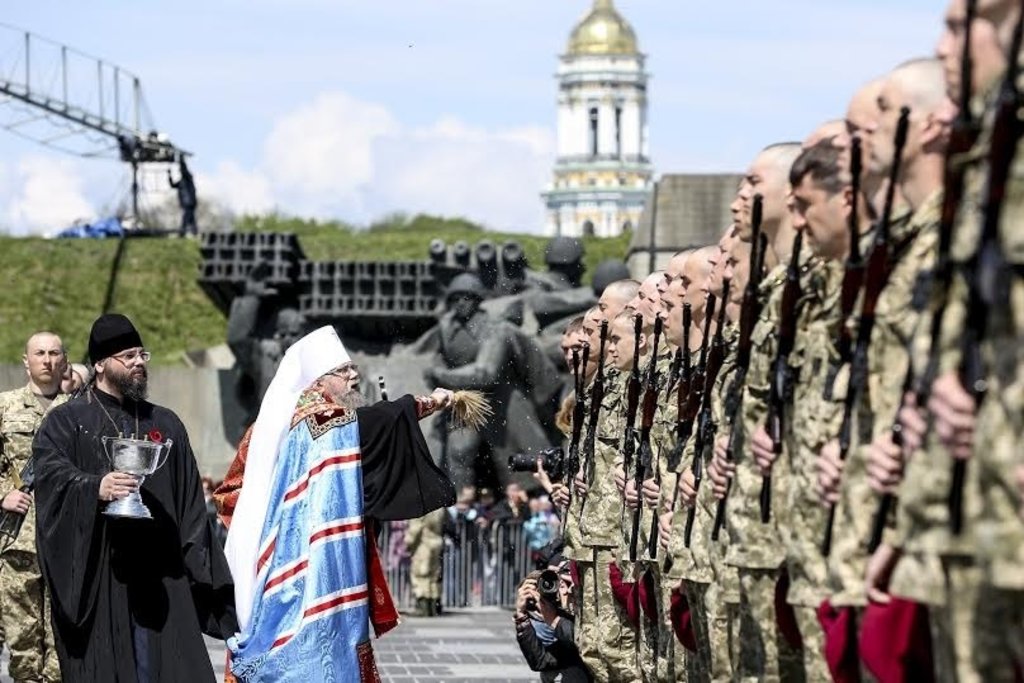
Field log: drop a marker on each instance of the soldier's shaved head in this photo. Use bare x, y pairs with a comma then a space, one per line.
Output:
920, 85
768, 175
675, 265
617, 296
43, 338
921, 82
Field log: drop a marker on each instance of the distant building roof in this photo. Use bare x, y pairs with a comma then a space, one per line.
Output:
692, 210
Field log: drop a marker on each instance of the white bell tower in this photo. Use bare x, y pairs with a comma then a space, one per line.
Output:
602, 173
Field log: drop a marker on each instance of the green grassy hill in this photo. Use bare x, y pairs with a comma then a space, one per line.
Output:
61, 284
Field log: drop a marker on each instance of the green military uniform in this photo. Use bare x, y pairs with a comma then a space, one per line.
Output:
814, 421
425, 540
755, 549
24, 602
606, 640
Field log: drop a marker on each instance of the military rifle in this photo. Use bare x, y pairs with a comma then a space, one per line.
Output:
596, 399
705, 426
10, 522
876, 276
683, 426
987, 271
632, 403
573, 464
853, 276
644, 458
691, 406
750, 311
780, 388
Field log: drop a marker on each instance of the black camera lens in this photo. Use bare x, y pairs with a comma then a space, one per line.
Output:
547, 585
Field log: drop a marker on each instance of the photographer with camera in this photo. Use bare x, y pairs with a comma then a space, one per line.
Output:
545, 624
548, 468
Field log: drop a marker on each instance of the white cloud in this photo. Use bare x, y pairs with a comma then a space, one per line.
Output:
339, 156
244, 191
44, 195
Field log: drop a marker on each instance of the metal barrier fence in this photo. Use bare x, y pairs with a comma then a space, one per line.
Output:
481, 567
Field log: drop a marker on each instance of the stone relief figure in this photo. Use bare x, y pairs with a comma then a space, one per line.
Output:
261, 327
478, 351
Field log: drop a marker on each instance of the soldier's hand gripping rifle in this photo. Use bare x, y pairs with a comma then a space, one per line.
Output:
644, 457
780, 389
705, 427
962, 136
876, 276
10, 522
853, 275
629, 438
750, 311
986, 271
596, 399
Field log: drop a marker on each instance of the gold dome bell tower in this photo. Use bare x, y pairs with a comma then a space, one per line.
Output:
602, 174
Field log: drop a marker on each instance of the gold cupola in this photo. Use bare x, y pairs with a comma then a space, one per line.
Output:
603, 31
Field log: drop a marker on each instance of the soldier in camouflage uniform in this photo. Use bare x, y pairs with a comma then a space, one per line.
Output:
24, 603
755, 549
604, 636
653, 639
425, 541
821, 208
978, 619
710, 585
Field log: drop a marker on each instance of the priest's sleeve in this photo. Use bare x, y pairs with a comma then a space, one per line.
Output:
213, 591
400, 479
67, 502
226, 495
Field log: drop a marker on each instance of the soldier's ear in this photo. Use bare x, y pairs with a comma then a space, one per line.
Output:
933, 133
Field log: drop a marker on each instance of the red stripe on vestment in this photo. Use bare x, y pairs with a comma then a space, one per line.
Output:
300, 486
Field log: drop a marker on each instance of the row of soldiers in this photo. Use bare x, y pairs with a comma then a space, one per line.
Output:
793, 453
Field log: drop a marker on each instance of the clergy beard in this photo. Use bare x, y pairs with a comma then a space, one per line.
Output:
131, 386
351, 400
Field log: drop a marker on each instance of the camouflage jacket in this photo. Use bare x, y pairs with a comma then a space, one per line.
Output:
896, 322
814, 421
751, 543
603, 506
20, 417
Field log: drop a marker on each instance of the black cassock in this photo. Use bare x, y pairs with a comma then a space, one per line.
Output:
131, 598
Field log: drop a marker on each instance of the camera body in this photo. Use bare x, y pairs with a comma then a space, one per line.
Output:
553, 460
548, 589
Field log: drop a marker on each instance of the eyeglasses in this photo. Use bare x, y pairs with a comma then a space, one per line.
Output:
350, 371
131, 356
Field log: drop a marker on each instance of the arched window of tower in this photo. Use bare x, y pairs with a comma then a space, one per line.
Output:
588, 228
593, 131
618, 132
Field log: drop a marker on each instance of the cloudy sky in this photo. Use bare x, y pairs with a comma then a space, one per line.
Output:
355, 109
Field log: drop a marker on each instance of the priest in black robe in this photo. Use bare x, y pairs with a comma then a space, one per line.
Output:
131, 598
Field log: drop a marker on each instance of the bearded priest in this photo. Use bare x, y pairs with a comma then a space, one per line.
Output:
312, 474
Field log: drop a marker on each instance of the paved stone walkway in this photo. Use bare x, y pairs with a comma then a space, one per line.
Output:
461, 646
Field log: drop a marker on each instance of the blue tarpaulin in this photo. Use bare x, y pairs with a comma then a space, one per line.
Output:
106, 227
